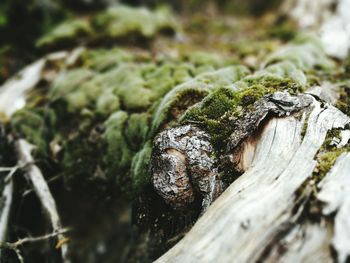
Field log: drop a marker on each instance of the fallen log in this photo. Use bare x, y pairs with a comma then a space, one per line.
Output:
264, 206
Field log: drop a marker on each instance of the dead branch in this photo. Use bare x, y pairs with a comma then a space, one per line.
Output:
15, 245
41, 188
252, 218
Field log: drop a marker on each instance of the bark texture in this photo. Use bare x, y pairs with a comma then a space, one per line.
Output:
266, 206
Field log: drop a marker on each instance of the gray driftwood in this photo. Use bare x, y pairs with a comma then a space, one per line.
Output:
265, 215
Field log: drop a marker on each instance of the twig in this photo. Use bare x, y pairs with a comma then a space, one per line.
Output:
41, 188
5, 211
51, 180
20, 242
7, 195
11, 171
14, 245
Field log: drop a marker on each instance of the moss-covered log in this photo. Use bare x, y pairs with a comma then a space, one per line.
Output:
149, 124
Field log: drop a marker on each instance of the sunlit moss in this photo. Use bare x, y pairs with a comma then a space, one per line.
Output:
214, 112
185, 95
305, 54
104, 59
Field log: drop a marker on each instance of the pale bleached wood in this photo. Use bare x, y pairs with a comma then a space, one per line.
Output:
13, 92
244, 220
7, 194
34, 175
329, 18
335, 194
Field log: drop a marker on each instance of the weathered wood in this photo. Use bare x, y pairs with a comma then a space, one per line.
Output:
330, 18
335, 194
243, 223
41, 188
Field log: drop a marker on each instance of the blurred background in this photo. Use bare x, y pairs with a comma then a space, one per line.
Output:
22, 23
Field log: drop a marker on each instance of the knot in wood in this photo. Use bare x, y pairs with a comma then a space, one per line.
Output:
183, 164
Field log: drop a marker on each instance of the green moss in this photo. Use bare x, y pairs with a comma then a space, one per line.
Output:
66, 33
69, 87
303, 131
160, 79
200, 58
135, 94
230, 100
214, 112
107, 102
177, 100
118, 22
218, 103
127, 85
248, 47
127, 82
279, 76
118, 155
123, 136
326, 161
140, 167
121, 21
81, 161
137, 129
104, 59
284, 31
343, 102
36, 126
304, 55
328, 154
